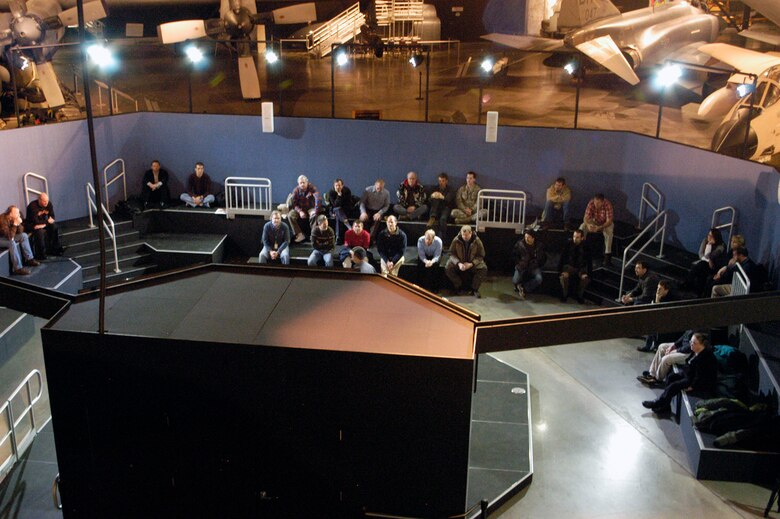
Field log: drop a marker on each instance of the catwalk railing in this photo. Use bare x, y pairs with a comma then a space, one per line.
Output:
20, 445
248, 196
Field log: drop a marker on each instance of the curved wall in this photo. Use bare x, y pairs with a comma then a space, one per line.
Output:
694, 182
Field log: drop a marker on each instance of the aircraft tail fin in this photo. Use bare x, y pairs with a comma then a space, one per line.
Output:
576, 13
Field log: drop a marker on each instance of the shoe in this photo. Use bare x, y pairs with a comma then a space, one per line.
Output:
650, 404
22, 272
663, 409
432, 221
647, 380
516, 288
646, 374
644, 348
476, 294
299, 237
32, 262
520, 293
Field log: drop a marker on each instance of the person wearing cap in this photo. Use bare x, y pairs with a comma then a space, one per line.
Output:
360, 261
529, 257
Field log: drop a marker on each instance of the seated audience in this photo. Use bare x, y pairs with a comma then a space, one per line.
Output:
700, 377
154, 187
558, 201
529, 259
712, 256
323, 240
466, 201
13, 238
644, 291
429, 247
304, 207
355, 237
725, 275
41, 223
575, 263
466, 265
373, 205
391, 245
198, 188
441, 199
667, 355
276, 240
664, 293
341, 205
599, 217
411, 199
360, 261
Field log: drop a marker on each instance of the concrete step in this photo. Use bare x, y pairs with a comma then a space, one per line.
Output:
92, 245
119, 277
81, 233
125, 263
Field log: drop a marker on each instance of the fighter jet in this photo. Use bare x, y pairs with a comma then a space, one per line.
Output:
623, 42
38, 22
238, 23
763, 135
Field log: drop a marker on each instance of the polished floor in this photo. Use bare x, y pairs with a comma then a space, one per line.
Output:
597, 452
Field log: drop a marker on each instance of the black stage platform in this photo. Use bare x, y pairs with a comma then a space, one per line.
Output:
358, 390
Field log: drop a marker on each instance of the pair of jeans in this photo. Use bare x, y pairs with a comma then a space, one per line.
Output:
284, 256
532, 275
317, 257
18, 249
549, 208
417, 214
207, 200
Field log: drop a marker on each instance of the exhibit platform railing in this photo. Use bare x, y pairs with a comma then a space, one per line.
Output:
659, 225
501, 209
20, 445
248, 196
120, 167
108, 222
28, 189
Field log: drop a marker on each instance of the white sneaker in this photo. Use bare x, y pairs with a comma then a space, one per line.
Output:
299, 237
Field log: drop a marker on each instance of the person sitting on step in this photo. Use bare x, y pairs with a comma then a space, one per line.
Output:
411, 199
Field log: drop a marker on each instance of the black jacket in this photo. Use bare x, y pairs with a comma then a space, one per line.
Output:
644, 291
702, 374
576, 256
529, 256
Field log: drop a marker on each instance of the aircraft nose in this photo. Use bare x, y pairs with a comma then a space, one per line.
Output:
729, 138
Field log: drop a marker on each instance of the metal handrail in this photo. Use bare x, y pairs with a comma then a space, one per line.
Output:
662, 231
248, 195
17, 447
28, 189
647, 203
121, 175
345, 26
730, 223
740, 282
494, 204
108, 226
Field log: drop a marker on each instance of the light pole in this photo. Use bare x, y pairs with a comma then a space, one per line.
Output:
667, 76
195, 55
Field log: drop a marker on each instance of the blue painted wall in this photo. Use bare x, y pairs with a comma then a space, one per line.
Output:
694, 182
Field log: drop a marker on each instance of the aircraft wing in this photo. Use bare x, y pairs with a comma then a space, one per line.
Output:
604, 51
529, 43
764, 32
744, 60
692, 54
769, 8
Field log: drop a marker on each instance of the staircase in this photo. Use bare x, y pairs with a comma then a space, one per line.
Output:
82, 246
399, 16
339, 29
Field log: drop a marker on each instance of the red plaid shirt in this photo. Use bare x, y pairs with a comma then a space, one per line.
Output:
599, 216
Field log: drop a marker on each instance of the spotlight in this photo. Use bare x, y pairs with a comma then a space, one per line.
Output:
194, 54
745, 89
668, 75
341, 59
102, 56
416, 60
570, 68
21, 62
487, 64
271, 57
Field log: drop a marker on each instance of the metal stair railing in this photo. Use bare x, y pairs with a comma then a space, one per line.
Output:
390, 11
646, 203
248, 195
653, 224
728, 224
339, 29
121, 175
19, 446
501, 208
108, 222
28, 189
740, 283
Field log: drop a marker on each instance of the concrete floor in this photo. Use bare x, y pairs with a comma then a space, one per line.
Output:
597, 452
